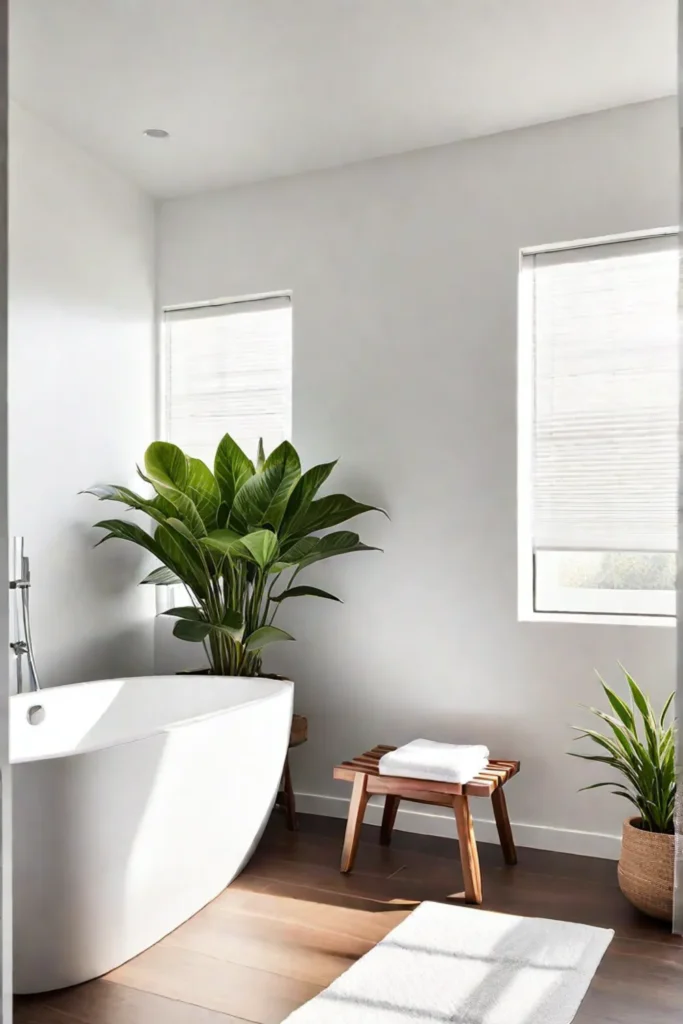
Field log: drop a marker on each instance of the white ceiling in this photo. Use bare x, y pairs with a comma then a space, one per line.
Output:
252, 89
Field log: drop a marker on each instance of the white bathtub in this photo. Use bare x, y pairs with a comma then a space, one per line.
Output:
136, 801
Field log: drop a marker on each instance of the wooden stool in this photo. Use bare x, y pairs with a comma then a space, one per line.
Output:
363, 772
286, 798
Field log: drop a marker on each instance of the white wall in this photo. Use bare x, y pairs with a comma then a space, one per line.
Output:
5, 769
404, 279
81, 370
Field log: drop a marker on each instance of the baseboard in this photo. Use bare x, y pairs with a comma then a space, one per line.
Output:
435, 823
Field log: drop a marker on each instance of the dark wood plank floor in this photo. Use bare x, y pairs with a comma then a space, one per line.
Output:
291, 924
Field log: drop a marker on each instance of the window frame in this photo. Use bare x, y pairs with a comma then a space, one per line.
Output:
526, 558
170, 596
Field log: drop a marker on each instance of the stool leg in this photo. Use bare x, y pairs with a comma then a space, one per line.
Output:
388, 818
468, 850
500, 813
359, 801
290, 800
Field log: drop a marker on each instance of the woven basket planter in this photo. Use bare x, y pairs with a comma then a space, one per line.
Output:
646, 870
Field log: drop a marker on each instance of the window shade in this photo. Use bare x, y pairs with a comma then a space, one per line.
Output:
228, 369
605, 356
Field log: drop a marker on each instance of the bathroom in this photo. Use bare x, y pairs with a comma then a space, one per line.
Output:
327, 162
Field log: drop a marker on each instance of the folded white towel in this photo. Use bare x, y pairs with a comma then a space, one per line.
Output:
438, 762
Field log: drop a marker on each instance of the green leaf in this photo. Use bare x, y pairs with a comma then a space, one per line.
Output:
187, 510
304, 592
592, 757
232, 469
295, 551
262, 546
233, 619
183, 557
112, 492
188, 612
225, 541
179, 526
638, 696
162, 508
162, 577
332, 510
260, 456
341, 543
650, 726
222, 516
122, 530
266, 635
627, 796
597, 785
630, 745
203, 491
604, 742
667, 705
301, 497
194, 632
620, 706
262, 500
232, 624
313, 549
166, 467
168, 470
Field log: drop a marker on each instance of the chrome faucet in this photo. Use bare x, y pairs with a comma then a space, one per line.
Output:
21, 585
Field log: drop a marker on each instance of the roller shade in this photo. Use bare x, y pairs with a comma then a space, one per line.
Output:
228, 369
605, 394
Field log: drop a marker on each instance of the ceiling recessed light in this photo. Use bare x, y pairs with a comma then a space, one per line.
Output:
156, 133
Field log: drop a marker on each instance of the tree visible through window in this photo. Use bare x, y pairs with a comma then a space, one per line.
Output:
619, 570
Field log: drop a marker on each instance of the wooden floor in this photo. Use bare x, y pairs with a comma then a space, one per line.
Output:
291, 924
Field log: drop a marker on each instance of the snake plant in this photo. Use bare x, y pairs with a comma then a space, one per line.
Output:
237, 538
641, 747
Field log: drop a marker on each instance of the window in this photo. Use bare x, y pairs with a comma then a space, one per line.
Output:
598, 428
227, 368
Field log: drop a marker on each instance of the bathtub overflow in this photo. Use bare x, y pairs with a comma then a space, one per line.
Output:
35, 714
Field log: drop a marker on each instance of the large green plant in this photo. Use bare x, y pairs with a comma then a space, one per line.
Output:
236, 538
641, 748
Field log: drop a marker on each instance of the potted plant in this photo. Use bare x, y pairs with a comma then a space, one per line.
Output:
237, 539
641, 748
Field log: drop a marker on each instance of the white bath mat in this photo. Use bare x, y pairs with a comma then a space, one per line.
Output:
455, 965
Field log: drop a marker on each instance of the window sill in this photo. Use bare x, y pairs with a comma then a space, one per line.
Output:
593, 619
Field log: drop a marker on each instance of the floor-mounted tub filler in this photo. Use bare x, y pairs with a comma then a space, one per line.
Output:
136, 801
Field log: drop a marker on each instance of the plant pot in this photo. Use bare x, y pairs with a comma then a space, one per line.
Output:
646, 870
299, 733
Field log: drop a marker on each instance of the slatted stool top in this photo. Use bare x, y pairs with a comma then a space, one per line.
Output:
494, 775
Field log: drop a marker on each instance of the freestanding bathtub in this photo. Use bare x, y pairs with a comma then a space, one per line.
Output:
136, 801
